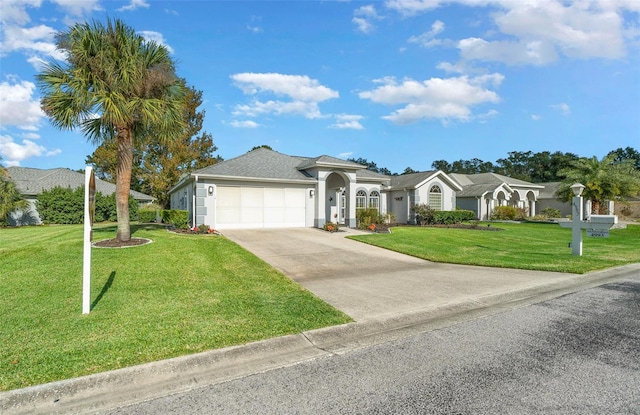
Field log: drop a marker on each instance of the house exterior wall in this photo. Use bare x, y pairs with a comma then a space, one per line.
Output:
398, 203
448, 194
564, 207
470, 203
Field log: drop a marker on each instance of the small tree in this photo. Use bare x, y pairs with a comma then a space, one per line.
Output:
10, 197
424, 213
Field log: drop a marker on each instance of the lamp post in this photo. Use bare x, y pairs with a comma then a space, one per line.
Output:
576, 219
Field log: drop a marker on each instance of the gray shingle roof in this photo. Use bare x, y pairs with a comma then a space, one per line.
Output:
263, 163
549, 191
491, 178
32, 182
410, 180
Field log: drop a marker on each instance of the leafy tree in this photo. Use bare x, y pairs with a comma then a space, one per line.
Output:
443, 165
158, 164
262, 146
372, 166
603, 179
10, 197
472, 166
628, 153
114, 86
409, 170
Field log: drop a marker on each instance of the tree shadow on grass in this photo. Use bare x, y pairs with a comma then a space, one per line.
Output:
113, 229
104, 290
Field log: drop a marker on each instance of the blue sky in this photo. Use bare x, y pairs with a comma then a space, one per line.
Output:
398, 82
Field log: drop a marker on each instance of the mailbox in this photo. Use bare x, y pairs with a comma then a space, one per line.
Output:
602, 222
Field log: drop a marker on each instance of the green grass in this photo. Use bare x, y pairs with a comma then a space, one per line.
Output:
180, 294
520, 245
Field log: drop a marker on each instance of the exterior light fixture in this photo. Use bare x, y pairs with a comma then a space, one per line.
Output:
210, 189
577, 189
311, 193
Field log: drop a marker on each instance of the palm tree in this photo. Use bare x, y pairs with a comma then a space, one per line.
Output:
114, 84
606, 179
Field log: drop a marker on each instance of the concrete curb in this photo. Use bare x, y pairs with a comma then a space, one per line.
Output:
120, 387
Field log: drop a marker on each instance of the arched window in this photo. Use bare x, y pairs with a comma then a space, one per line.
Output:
361, 199
435, 198
374, 200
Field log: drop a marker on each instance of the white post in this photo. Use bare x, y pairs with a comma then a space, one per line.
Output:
576, 219
89, 209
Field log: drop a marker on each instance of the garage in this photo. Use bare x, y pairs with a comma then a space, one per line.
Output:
260, 207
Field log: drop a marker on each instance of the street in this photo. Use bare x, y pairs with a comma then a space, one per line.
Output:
579, 353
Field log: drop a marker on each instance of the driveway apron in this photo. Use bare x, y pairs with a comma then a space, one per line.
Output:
368, 282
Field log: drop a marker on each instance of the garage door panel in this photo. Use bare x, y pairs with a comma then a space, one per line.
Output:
259, 207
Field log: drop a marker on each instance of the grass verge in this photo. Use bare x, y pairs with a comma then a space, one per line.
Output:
535, 246
180, 294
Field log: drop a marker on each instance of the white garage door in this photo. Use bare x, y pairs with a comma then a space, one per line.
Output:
259, 207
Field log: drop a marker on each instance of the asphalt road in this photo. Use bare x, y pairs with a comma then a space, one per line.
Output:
577, 354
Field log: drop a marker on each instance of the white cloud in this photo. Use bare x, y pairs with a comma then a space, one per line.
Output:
14, 11
135, 4
244, 124
435, 98
155, 37
14, 152
301, 94
258, 108
427, 39
363, 17
412, 7
79, 7
563, 108
35, 42
534, 52
18, 107
539, 32
254, 29
347, 122
535, 117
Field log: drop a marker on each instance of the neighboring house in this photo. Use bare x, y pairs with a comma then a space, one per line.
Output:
31, 182
433, 188
547, 199
265, 189
483, 192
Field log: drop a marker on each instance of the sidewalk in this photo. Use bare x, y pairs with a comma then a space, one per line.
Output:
389, 295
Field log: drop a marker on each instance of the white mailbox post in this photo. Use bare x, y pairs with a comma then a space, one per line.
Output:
597, 225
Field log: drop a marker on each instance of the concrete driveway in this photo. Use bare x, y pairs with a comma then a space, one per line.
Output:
367, 282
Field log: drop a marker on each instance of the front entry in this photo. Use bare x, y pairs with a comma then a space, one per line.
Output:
336, 205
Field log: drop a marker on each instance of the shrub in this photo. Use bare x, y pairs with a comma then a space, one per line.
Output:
66, 206
106, 208
424, 214
445, 217
366, 217
62, 206
508, 213
550, 212
177, 218
330, 226
148, 213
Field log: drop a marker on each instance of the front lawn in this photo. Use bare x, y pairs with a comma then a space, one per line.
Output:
535, 246
180, 294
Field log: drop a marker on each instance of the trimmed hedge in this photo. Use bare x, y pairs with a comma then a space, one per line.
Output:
66, 206
445, 217
177, 218
425, 215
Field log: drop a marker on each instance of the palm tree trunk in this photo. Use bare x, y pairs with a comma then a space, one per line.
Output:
123, 181
595, 207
